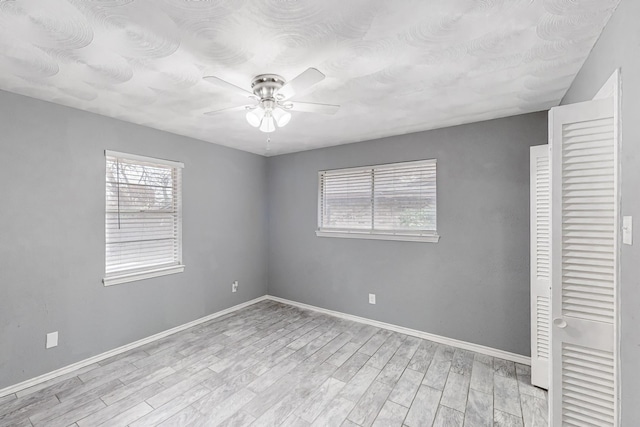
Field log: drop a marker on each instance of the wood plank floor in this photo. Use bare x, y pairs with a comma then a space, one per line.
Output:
274, 364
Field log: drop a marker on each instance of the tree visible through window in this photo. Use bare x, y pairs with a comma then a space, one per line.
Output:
390, 200
143, 217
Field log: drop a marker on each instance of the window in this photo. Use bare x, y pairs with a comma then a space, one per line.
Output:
390, 202
143, 221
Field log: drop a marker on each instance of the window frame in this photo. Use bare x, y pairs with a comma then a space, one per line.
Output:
131, 275
426, 236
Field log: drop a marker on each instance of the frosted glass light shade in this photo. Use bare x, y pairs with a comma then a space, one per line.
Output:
268, 124
282, 117
254, 117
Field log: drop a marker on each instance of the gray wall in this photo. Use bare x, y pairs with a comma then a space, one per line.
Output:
52, 170
473, 285
619, 47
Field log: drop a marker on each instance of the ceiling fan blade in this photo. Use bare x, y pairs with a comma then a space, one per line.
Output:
301, 83
227, 110
226, 85
309, 107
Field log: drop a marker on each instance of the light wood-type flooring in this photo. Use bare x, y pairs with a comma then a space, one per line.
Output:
274, 364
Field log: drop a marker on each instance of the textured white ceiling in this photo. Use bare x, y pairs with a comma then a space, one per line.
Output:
393, 66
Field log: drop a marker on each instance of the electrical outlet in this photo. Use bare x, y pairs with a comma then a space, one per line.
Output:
52, 339
372, 298
234, 286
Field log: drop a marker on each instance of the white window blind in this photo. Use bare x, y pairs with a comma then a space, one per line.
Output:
393, 202
143, 222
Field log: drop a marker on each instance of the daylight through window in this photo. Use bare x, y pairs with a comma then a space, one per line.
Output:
143, 221
392, 202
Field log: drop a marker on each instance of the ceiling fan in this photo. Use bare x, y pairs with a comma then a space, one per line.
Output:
271, 98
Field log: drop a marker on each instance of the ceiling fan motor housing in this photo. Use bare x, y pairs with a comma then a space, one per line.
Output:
265, 86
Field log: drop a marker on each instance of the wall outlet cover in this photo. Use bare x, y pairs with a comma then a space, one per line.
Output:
372, 298
52, 339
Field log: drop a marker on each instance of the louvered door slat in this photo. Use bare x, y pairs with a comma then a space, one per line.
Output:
592, 387
542, 327
604, 126
595, 162
600, 407
595, 189
589, 294
592, 174
606, 287
588, 262
588, 383
584, 195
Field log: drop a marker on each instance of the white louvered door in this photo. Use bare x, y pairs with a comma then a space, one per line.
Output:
540, 192
584, 263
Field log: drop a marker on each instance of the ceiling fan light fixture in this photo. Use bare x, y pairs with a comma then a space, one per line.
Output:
281, 116
255, 116
270, 93
268, 124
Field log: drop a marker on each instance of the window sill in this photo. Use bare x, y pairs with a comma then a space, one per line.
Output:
141, 275
426, 238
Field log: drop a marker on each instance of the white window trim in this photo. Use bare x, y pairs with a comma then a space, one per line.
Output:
145, 159
157, 271
405, 236
378, 235
118, 279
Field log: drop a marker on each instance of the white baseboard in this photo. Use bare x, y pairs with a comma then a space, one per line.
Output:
501, 354
424, 335
86, 362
